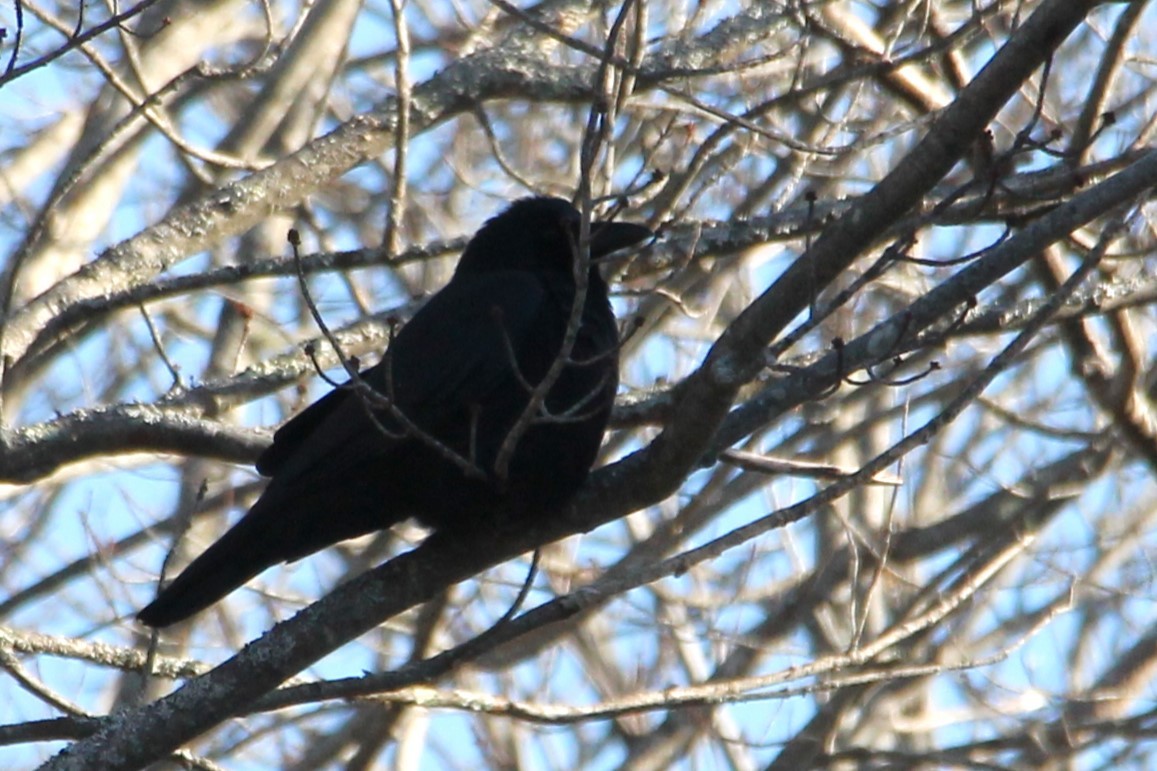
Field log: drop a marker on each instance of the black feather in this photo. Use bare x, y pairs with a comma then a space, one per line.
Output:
460, 371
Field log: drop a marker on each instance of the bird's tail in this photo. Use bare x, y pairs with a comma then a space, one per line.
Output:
237, 557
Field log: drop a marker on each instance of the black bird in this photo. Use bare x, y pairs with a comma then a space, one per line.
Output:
460, 374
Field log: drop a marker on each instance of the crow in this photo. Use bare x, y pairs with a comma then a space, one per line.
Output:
491, 402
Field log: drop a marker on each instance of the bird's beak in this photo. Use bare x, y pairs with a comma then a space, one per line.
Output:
607, 237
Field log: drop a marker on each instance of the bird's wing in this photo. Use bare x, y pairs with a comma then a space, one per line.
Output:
454, 353
464, 347
298, 429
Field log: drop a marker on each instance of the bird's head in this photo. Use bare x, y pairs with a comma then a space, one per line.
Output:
542, 234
